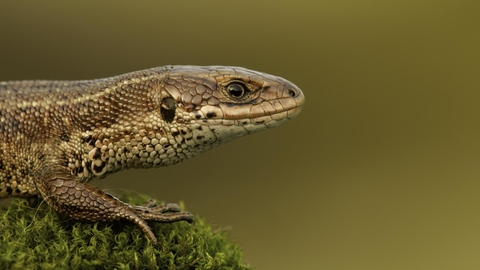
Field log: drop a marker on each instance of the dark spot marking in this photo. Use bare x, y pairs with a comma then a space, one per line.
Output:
64, 137
87, 139
175, 133
197, 116
200, 137
260, 122
9, 190
78, 170
41, 157
167, 109
189, 139
99, 169
183, 132
211, 114
91, 142
97, 154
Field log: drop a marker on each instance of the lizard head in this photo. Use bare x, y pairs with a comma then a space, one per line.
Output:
227, 102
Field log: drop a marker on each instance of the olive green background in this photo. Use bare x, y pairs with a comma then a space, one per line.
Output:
381, 170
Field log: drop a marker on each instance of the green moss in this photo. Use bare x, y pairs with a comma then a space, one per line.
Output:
38, 238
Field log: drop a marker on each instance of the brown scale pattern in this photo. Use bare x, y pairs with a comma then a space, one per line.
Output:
55, 136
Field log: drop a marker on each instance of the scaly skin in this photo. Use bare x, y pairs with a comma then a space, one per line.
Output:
55, 136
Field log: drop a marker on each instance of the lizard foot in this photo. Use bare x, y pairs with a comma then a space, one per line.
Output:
86, 202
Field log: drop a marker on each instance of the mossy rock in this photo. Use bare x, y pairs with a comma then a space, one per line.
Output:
38, 238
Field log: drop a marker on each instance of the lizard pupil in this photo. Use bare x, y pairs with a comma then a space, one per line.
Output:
236, 90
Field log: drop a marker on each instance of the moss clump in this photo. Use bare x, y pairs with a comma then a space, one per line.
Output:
38, 238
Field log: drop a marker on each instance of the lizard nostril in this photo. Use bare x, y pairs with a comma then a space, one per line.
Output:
292, 93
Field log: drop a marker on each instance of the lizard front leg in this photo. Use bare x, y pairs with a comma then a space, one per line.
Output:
86, 202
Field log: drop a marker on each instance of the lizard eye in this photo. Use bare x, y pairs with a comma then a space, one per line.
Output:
236, 90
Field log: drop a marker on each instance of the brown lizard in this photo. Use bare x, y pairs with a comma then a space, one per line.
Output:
55, 136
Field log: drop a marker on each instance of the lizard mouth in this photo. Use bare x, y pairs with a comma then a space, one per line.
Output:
287, 107
291, 113
265, 113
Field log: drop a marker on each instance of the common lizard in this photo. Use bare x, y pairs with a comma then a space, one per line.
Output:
58, 135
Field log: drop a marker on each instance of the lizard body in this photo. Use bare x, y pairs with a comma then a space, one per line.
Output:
58, 135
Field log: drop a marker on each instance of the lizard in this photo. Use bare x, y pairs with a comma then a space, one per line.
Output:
56, 136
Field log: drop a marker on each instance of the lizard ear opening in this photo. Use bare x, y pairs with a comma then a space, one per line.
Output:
167, 109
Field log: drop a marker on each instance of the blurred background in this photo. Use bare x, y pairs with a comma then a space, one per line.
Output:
381, 170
